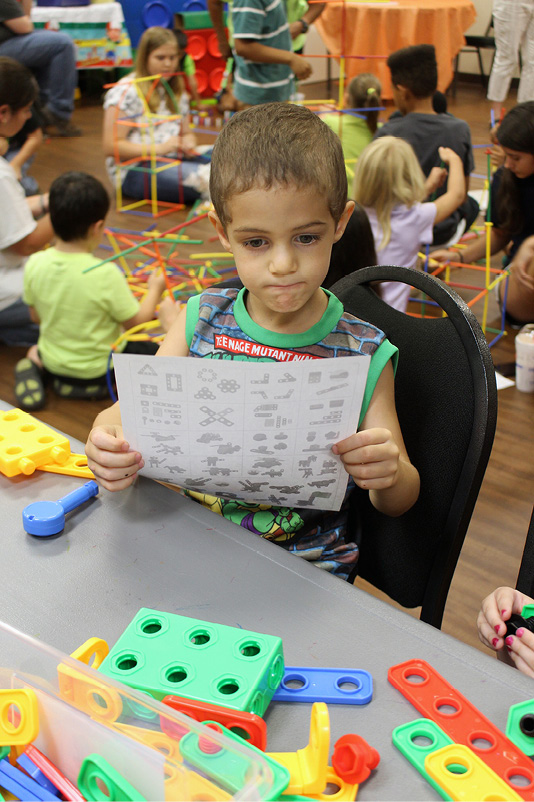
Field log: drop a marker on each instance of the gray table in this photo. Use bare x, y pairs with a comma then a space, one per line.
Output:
150, 547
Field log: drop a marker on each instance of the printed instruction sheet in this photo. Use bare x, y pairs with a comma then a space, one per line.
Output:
255, 431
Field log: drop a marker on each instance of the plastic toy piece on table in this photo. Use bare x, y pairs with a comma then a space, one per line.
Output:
432, 695
19, 717
45, 518
307, 767
23, 787
190, 785
95, 773
76, 465
156, 740
252, 726
417, 739
99, 701
353, 759
27, 765
339, 686
162, 653
50, 771
93, 647
346, 791
520, 726
227, 768
464, 776
26, 443
525, 620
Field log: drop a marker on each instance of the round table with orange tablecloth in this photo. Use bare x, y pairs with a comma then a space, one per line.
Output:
380, 28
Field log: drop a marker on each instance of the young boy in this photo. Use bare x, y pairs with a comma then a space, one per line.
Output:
81, 314
279, 189
414, 75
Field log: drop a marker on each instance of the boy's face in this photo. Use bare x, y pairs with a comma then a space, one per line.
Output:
281, 239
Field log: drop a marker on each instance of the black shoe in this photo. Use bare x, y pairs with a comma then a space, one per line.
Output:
60, 126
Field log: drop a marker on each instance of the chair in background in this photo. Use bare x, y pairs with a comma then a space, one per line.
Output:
446, 401
525, 578
475, 44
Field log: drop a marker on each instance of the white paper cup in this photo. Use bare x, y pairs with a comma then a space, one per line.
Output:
524, 359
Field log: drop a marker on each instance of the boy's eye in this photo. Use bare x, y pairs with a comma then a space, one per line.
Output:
307, 239
257, 242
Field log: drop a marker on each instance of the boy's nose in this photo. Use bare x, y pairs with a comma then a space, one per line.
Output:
282, 262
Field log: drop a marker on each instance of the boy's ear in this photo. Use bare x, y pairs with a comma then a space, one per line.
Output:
218, 226
98, 227
343, 220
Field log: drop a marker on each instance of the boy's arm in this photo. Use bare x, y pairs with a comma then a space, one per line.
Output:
147, 307
252, 50
108, 453
376, 456
314, 11
216, 12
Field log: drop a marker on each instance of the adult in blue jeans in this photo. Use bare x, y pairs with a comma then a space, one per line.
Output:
49, 55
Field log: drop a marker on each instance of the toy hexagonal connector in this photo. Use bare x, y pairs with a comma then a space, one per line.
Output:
353, 758
520, 726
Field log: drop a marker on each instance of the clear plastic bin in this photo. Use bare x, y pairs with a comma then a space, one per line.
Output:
82, 713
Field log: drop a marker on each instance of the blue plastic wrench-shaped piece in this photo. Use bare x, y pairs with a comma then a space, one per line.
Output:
44, 518
337, 686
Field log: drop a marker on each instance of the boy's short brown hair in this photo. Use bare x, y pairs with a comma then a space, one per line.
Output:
277, 143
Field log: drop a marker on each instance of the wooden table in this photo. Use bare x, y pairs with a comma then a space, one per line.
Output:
378, 29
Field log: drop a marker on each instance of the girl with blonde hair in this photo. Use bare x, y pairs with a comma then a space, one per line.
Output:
391, 186
148, 120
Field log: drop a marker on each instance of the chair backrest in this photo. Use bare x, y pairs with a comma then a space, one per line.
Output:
525, 578
446, 401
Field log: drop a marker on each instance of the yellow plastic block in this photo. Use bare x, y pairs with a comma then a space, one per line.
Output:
308, 766
99, 701
93, 646
346, 791
26, 443
19, 717
186, 784
156, 740
477, 780
76, 465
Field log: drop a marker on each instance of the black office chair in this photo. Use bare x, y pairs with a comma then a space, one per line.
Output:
475, 44
525, 578
446, 401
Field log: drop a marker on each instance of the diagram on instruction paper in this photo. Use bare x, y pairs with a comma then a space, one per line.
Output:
256, 431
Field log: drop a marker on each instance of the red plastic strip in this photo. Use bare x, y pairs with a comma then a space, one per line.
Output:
432, 695
50, 771
254, 726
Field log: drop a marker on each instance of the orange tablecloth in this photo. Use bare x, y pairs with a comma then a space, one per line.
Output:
381, 28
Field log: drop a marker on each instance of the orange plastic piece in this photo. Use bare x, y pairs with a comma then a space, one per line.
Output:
19, 717
353, 758
76, 465
26, 443
308, 766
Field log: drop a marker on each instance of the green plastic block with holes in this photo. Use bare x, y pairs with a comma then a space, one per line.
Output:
162, 653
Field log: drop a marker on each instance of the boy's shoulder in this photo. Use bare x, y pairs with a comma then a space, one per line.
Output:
417, 121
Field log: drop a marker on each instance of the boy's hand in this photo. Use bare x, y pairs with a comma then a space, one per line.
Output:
491, 623
109, 457
371, 457
300, 67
